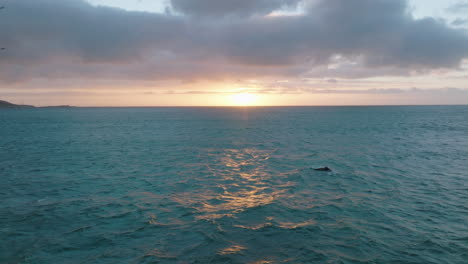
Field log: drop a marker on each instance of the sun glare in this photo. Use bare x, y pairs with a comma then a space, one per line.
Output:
244, 99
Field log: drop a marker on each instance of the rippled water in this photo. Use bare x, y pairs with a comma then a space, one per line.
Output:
234, 185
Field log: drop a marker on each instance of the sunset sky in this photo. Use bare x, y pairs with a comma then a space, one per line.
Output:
225, 52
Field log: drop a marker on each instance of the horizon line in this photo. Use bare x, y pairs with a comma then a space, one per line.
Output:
246, 106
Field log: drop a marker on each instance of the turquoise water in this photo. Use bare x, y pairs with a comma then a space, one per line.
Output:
234, 185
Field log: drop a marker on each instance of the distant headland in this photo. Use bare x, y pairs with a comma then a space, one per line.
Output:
8, 105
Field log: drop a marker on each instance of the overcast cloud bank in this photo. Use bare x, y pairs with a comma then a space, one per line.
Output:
224, 39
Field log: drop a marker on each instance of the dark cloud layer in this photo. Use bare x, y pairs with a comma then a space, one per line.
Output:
220, 8
361, 38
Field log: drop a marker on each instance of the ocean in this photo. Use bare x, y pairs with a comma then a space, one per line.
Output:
234, 185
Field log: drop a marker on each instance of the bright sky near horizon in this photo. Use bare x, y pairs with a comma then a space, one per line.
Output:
135, 5
200, 52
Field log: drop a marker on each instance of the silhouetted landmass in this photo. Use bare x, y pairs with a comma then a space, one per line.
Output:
5, 104
8, 105
58, 106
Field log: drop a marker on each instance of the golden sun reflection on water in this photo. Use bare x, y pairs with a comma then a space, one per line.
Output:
232, 250
243, 183
239, 182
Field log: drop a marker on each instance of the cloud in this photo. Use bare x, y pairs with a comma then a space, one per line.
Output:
459, 22
220, 8
44, 30
459, 7
312, 90
448, 91
333, 38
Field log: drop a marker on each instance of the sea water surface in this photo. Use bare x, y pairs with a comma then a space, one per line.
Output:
234, 185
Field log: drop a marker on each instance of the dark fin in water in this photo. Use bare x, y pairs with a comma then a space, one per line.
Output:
323, 169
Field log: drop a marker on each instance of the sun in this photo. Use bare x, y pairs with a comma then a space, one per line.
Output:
244, 99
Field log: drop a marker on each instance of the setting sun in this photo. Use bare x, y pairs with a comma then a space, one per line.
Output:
244, 99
